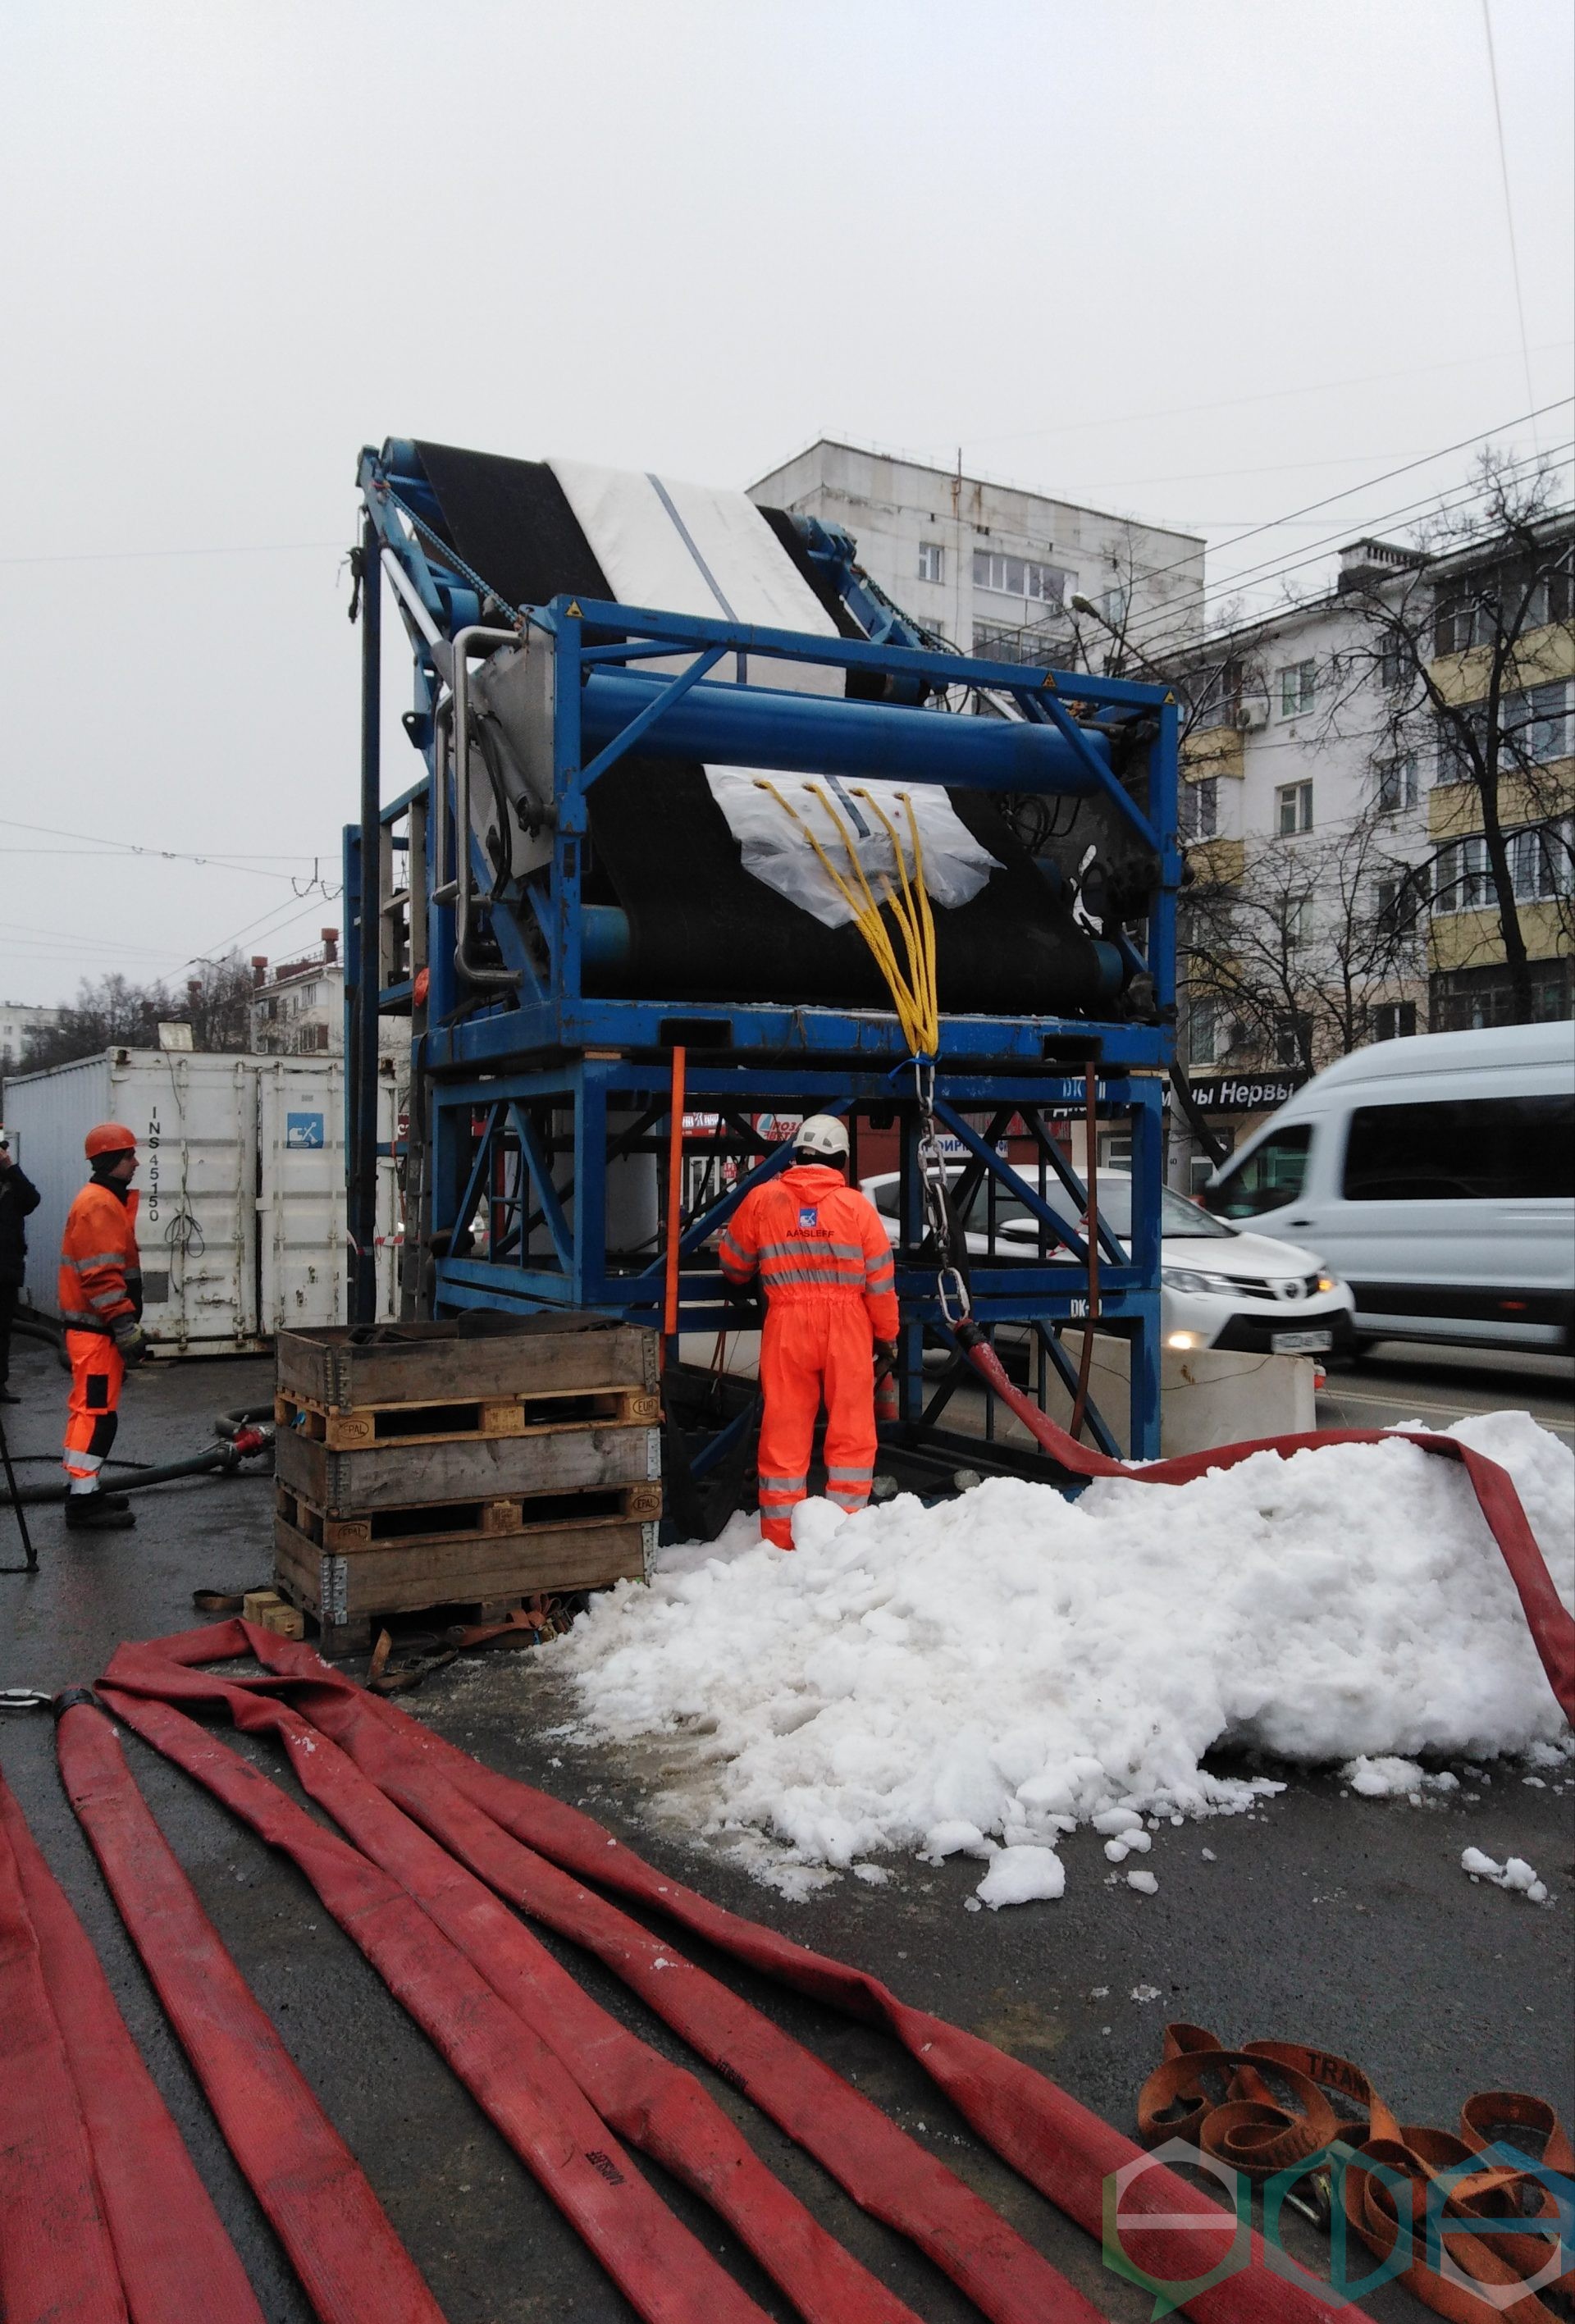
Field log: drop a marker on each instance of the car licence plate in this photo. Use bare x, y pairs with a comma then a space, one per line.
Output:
1301, 1343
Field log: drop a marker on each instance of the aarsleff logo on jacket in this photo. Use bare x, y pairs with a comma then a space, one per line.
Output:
808, 1220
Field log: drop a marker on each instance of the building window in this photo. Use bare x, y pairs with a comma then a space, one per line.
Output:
1296, 921
1019, 577
1293, 809
1398, 788
1214, 697
1298, 689
1393, 1020
932, 561
1203, 1031
1200, 809
1113, 607
1287, 1041
1034, 645
1466, 1000
1489, 603
1397, 661
1542, 867
1533, 730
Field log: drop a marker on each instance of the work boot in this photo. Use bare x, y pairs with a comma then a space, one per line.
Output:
96, 1513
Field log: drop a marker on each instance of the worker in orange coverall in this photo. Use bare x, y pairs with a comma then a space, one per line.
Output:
825, 1267
100, 1298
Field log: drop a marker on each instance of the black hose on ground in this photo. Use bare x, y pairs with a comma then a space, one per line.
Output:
247, 1433
34, 1327
246, 1415
220, 1460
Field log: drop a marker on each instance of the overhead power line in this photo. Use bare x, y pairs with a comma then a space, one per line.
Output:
1508, 204
1274, 568
127, 555
1238, 403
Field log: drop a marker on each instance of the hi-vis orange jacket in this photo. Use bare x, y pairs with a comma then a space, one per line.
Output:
814, 1238
100, 1282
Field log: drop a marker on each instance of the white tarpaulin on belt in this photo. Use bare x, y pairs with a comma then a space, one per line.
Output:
678, 547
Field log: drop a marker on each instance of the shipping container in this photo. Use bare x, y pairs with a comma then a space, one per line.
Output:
242, 1222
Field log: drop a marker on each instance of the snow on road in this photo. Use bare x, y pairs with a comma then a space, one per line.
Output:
984, 1675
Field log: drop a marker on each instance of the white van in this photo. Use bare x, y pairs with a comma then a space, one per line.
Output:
1437, 1176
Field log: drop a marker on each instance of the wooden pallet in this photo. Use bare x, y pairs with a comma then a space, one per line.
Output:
582, 1455
467, 1420
484, 1575
436, 1526
344, 1371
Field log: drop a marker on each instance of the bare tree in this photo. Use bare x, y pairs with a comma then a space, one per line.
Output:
114, 1013
1302, 945
1449, 643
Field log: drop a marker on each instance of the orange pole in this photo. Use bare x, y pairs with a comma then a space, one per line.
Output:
675, 1199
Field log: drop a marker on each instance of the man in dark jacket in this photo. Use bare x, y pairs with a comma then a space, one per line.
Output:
18, 1196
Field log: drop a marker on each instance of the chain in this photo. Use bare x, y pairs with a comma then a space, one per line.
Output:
951, 1289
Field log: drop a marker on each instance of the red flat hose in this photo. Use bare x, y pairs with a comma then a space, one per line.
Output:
57, 2264
1551, 1625
1059, 2146
666, 2274
656, 2105
352, 2265
888, 2173
176, 2262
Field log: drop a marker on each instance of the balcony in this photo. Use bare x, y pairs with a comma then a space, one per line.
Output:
1214, 751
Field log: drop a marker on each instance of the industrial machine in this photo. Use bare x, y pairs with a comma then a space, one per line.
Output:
660, 731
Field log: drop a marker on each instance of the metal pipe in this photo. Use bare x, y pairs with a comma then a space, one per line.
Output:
442, 887
675, 1207
466, 641
362, 1106
815, 734
405, 590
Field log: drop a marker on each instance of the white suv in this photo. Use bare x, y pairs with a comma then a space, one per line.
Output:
1222, 1287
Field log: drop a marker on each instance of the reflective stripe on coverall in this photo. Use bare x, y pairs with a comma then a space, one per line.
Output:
99, 1285
827, 1269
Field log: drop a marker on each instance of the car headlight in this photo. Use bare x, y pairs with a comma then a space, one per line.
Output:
1188, 1278
1329, 1283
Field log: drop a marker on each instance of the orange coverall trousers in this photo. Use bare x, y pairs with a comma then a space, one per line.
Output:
93, 1414
814, 1350
826, 1267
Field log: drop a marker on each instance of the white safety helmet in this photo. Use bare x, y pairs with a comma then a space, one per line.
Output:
823, 1136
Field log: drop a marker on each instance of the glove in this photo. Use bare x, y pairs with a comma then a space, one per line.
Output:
131, 1341
746, 1303
885, 1357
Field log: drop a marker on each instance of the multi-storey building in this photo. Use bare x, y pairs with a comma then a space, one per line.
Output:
18, 1018
1334, 809
990, 567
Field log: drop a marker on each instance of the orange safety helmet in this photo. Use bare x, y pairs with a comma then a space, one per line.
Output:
109, 1138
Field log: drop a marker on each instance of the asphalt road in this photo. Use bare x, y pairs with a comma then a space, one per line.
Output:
1338, 1921
1400, 1381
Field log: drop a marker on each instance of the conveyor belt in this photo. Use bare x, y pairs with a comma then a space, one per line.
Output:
702, 926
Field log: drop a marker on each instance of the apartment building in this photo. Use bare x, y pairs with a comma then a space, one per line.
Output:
18, 1018
1333, 809
990, 567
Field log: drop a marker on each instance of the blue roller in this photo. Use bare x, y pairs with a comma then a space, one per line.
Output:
821, 734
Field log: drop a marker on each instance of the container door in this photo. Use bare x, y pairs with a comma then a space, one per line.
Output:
393, 1127
196, 1227
301, 1192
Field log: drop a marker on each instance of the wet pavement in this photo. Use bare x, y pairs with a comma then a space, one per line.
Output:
1339, 1921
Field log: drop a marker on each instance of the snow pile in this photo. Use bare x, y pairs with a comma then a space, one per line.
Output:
1004, 1666
1515, 1873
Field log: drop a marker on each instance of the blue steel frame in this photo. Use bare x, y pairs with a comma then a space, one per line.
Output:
496, 1080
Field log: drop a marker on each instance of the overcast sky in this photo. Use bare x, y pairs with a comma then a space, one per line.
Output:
1206, 260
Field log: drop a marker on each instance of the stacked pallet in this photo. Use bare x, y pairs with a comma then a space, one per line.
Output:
420, 1465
